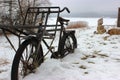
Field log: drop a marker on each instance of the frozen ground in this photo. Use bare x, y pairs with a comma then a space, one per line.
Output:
96, 58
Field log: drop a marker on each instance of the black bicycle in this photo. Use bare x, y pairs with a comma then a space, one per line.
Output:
36, 31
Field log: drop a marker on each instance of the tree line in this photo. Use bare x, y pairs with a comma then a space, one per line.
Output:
12, 12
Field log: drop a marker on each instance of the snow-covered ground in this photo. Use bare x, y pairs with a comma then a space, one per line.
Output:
96, 58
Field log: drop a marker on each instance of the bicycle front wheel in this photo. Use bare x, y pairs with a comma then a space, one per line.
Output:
28, 57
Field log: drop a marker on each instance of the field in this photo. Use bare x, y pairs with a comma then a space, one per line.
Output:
96, 58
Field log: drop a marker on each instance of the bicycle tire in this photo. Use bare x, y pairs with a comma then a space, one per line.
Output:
70, 47
33, 56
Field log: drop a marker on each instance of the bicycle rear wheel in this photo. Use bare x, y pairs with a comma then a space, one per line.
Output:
28, 57
67, 44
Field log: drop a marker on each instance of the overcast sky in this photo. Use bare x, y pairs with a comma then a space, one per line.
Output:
90, 8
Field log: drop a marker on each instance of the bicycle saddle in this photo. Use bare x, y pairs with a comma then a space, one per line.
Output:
60, 19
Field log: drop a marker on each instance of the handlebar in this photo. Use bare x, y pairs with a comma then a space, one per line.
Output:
65, 8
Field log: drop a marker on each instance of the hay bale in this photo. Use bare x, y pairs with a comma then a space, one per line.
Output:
114, 31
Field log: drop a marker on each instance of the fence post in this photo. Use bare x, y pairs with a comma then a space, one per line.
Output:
118, 19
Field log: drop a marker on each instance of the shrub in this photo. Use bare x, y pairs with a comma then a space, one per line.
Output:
77, 24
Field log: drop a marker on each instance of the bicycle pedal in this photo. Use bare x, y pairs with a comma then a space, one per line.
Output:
55, 55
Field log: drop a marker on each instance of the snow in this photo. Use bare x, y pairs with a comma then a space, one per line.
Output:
97, 57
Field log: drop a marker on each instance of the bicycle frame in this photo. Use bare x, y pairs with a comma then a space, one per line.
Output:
24, 30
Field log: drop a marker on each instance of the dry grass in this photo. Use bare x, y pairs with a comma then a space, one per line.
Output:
1, 33
77, 24
3, 61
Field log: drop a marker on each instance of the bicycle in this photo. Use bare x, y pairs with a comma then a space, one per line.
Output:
30, 54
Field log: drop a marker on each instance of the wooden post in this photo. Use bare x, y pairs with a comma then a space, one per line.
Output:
118, 20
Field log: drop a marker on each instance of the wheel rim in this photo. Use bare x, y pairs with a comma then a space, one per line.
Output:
29, 61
